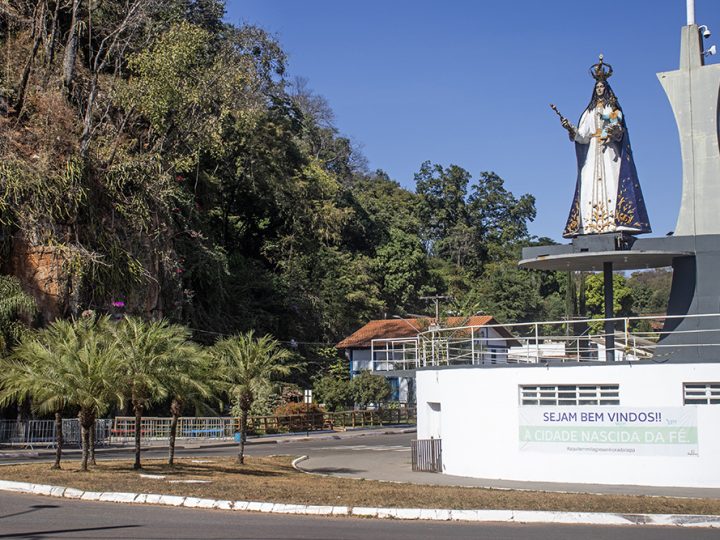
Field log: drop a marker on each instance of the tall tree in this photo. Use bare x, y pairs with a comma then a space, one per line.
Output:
70, 363
442, 194
149, 352
402, 263
499, 218
246, 365
190, 381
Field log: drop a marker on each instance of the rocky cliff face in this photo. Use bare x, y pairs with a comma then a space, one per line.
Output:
42, 271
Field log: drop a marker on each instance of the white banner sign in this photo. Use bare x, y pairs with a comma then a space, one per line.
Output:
665, 431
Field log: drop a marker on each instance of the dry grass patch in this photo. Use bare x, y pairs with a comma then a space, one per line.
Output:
274, 479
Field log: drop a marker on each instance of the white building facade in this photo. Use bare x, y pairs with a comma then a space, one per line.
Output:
623, 423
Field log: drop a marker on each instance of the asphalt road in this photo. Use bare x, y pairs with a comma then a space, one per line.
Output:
320, 447
26, 516
34, 517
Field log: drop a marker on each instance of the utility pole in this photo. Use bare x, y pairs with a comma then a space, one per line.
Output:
436, 298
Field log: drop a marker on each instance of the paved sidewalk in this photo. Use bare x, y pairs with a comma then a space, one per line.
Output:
394, 465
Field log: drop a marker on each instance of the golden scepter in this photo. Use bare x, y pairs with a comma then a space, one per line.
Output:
562, 118
564, 121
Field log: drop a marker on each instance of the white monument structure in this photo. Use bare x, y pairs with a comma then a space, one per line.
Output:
616, 401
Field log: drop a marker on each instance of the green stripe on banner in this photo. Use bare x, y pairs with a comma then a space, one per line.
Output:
609, 435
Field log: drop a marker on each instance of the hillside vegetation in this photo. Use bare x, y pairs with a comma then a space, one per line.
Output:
156, 157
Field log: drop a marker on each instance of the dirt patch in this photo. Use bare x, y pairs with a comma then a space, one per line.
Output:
273, 479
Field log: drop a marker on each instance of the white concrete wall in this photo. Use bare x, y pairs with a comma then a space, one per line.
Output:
479, 418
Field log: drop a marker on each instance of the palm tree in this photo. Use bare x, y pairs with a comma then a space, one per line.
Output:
246, 364
23, 376
149, 352
16, 309
93, 381
27, 374
70, 363
189, 380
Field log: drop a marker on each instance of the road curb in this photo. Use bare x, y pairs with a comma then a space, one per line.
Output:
476, 516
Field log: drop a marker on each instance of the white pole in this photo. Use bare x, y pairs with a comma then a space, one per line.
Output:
472, 345
690, 12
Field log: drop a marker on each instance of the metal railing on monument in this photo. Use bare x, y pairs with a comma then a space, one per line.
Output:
577, 340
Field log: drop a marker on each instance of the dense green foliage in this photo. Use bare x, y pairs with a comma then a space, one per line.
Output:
164, 159
171, 165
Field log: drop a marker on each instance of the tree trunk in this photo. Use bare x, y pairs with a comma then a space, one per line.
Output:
138, 409
87, 420
71, 47
50, 53
22, 85
175, 409
92, 444
86, 135
58, 439
243, 435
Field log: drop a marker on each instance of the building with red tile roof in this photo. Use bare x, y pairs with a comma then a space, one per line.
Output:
391, 347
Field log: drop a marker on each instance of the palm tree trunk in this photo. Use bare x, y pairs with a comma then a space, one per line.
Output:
86, 422
58, 439
92, 444
243, 435
175, 409
138, 409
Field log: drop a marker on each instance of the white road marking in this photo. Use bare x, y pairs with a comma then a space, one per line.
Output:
364, 447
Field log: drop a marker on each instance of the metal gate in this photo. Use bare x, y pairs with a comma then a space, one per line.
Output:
426, 455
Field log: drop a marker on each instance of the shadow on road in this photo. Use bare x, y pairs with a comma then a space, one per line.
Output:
334, 470
33, 508
41, 534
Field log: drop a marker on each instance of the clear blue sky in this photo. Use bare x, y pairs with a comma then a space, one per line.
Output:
469, 83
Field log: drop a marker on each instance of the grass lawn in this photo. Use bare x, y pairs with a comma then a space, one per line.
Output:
274, 479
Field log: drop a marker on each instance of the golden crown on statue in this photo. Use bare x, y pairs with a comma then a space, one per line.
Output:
601, 71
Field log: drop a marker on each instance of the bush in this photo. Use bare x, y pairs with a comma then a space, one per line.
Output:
302, 416
292, 408
367, 388
334, 392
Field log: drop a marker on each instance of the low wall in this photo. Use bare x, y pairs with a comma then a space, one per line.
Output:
487, 433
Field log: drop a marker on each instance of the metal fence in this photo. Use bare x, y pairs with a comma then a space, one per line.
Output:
426, 455
156, 428
582, 340
121, 429
31, 433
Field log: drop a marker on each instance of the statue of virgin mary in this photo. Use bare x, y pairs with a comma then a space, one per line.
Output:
607, 193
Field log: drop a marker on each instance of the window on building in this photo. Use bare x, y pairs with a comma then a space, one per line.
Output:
701, 393
394, 388
570, 394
